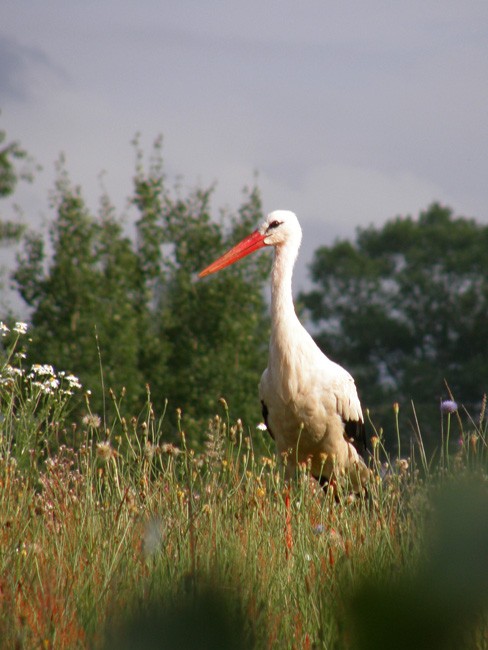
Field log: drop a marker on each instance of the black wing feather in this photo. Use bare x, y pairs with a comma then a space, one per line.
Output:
355, 433
264, 410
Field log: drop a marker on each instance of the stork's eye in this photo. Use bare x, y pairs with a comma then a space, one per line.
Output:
274, 224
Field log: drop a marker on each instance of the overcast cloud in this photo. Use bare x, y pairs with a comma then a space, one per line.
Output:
350, 112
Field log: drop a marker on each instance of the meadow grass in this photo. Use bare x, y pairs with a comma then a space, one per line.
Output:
113, 536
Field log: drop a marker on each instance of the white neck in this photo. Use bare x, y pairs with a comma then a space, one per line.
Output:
283, 316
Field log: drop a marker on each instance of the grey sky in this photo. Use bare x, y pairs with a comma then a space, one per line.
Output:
351, 112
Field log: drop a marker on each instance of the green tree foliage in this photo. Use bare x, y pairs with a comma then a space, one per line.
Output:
137, 305
15, 165
214, 332
404, 307
87, 293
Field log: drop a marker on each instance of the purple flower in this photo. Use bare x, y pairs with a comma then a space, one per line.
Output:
448, 406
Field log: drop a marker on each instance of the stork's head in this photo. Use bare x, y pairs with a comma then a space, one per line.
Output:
280, 228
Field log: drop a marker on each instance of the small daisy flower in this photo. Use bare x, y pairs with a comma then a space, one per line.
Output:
73, 381
42, 369
52, 383
20, 328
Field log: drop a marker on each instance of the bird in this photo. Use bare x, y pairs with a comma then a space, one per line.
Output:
310, 404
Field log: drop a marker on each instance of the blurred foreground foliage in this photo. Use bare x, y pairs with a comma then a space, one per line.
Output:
115, 535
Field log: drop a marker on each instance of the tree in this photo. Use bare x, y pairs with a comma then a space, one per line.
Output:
11, 154
192, 341
85, 301
215, 333
404, 307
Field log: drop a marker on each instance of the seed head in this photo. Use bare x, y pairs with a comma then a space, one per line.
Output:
92, 421
105, 451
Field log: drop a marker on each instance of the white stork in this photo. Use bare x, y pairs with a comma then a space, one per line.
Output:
310, 404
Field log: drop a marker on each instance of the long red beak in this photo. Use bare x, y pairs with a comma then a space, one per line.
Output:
252, 243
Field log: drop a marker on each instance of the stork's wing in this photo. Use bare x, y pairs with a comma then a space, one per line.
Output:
349, 408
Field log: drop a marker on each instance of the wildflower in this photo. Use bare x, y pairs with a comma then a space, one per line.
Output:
473, 442
384, 471
105, 451
12, 370
47, 387
92, 421
51, 384
20, 328
318, 529
149, 451
4, 329
401, 465
171, 450
42, 369
396, 408
448, 406
73, 381
261, 427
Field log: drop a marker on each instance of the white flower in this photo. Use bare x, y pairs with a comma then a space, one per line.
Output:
261, 427
44, 369
73, 381
20, 328
11, 370
4, 329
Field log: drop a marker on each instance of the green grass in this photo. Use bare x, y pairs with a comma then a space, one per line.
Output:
111, 536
